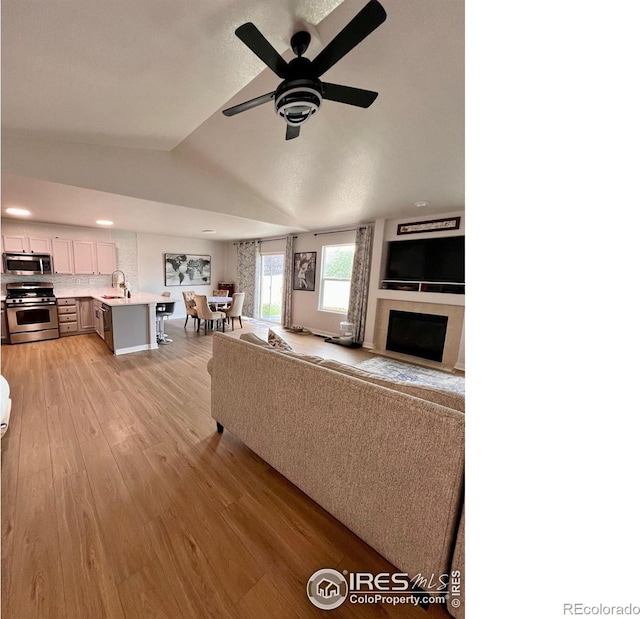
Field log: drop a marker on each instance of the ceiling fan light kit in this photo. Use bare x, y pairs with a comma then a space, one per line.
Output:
300, 94
298, 103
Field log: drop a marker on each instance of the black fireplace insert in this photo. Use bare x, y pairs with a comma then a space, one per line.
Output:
420, 335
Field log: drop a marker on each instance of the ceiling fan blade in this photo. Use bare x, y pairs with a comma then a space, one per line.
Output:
255, 41
247, 105
292, 132
361, 26
348, 95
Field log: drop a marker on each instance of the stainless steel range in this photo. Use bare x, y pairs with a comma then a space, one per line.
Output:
32, 313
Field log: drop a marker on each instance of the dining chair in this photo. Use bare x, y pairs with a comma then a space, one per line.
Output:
207, 314
235, 309
190, 307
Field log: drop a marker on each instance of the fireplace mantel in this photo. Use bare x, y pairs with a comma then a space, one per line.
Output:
455, 314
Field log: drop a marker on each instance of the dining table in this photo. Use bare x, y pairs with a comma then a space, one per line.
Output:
216, 302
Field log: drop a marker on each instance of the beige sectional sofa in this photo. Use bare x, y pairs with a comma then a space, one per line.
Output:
384, 458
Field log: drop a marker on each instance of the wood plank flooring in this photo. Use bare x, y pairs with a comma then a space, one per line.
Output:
120, 499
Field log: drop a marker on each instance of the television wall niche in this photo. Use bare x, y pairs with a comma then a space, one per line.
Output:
437, 261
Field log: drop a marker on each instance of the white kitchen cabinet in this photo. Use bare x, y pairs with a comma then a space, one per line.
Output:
62, 252
69, 257
84, 262
16, 244
105, 258
25, 244
39, 245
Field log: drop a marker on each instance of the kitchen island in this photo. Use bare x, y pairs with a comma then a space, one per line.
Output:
126, 325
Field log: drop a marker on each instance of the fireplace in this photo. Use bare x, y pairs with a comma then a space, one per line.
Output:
420, 335
454, 329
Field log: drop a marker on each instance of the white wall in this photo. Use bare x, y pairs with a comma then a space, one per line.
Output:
305, 303
151, 250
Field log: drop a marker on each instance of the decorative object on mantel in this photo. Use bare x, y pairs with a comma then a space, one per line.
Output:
187, 270
434, 225
397, 370
304, 271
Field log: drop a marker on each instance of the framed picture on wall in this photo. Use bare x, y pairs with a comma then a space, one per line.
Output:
304, 271
187, 270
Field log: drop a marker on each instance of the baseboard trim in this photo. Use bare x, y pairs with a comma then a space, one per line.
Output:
126, 351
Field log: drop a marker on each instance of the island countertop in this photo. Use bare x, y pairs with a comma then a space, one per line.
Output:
137, 298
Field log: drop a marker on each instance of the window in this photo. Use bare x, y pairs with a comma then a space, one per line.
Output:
337, 262
272, 269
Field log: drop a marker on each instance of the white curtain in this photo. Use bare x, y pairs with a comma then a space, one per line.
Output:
288, 282
359, 295
249, 275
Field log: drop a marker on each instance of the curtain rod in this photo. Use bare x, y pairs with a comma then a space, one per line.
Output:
337, 231
280, 238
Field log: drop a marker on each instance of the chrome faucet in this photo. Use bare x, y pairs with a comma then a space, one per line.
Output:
114, 283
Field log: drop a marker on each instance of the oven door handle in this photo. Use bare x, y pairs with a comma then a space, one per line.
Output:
30, 305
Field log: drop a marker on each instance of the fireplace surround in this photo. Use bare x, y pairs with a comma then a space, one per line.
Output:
455, 318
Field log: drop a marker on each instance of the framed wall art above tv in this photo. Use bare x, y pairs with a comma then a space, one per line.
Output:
187, 270
433, 225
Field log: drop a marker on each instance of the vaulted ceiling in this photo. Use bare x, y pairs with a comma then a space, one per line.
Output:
113, 110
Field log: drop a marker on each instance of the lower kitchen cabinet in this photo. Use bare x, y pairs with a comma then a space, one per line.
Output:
4, 331
86, 321
67, 317
75, 316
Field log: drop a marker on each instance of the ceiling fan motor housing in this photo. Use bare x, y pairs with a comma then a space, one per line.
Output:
298, 100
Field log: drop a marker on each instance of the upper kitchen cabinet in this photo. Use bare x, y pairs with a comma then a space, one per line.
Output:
84, 260
26, 244
105, 258
83, 257
62, 252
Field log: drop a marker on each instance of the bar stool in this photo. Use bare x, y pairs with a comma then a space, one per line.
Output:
163, 311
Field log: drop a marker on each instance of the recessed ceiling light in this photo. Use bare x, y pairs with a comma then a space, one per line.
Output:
104, 222
210, 231
21, 212
420, 203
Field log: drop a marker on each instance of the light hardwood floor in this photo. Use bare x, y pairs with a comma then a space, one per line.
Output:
120, 499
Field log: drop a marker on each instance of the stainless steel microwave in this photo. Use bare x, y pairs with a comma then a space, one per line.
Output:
27, 264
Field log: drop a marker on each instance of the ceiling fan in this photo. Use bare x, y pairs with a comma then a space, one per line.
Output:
301, 92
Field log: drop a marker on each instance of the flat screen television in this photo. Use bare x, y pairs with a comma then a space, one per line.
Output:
427, 260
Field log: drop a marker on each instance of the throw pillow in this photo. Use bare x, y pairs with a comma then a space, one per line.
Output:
277, 342
254, 339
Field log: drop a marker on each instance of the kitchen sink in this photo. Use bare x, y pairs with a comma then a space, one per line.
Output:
107, 296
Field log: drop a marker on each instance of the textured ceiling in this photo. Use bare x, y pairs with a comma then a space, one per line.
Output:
113, 110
